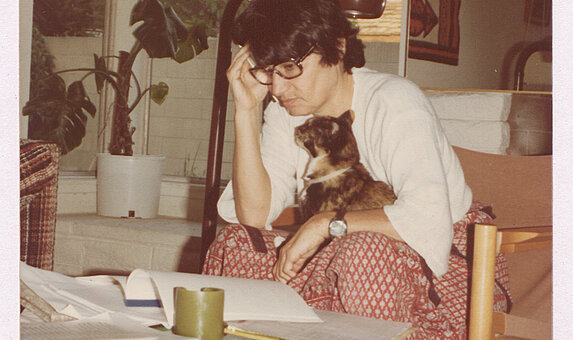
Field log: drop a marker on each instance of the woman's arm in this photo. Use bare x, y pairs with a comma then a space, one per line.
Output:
314, 232
251, 183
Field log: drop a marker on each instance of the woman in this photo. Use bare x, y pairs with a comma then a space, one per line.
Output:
306, 55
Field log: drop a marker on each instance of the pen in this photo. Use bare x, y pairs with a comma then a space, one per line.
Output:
251, 62
247, 334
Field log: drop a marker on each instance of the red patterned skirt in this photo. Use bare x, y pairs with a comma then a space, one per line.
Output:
368, 274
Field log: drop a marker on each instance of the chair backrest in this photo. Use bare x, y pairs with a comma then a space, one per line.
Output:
517, 187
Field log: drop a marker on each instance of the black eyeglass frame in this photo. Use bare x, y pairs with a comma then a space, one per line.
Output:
297, 61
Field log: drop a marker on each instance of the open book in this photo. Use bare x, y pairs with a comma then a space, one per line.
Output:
244, 299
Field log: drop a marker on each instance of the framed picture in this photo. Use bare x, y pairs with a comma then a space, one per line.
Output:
435, 31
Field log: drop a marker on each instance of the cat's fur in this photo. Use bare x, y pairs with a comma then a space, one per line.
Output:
332, 147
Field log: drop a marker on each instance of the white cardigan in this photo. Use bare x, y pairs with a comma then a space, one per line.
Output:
401, 142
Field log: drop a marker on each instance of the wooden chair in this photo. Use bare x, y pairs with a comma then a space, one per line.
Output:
519, 190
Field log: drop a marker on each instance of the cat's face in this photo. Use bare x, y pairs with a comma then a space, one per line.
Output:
321, 136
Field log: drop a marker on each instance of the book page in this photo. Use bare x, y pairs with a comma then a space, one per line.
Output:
336, 326
244, 299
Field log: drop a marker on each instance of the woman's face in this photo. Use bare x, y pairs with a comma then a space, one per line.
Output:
321, 90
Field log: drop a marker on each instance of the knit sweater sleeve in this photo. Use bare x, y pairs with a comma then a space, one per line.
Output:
403, 144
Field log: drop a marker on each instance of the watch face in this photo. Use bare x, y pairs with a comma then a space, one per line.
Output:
337, 228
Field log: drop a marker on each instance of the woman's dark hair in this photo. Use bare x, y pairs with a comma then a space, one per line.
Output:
277, 30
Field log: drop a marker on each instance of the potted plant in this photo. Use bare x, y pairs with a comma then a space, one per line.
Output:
59, 114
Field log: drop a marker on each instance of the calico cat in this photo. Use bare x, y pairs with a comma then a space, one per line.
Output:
334, 179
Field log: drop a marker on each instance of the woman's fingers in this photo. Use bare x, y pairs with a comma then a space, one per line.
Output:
239, 64
302, 246
291, 259
248, 93
282, 270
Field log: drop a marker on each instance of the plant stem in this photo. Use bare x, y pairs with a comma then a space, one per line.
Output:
138, 99
121, 132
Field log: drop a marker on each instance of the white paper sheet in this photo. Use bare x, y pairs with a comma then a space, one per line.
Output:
104, 326
86, 297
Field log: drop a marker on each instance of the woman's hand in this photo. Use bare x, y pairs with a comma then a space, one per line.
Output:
248, 93
314, 232
301, 247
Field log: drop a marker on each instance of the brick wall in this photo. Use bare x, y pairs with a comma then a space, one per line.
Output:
90, 245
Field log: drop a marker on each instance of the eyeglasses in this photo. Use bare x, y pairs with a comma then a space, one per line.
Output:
287, 70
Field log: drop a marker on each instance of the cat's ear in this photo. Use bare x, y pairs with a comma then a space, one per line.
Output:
334, 127
347, 117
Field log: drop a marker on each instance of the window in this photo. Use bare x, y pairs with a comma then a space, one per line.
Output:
66, 35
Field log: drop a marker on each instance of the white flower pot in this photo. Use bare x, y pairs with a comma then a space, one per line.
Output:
128, 186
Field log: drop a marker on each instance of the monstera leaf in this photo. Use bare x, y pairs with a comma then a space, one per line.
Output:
57, 115
195, 43
161, 30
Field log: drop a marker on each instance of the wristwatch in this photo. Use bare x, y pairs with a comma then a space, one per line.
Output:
337, 227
